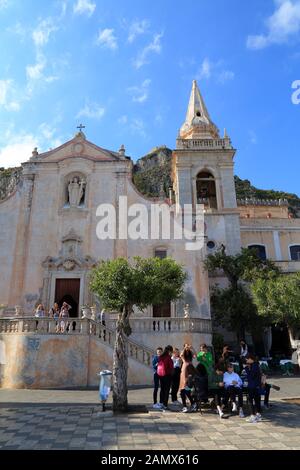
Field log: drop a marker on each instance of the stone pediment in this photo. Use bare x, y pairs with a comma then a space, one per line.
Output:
78, 147
74, 263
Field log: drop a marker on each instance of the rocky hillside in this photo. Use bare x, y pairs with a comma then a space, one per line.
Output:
9, 178
152, 177
152, 173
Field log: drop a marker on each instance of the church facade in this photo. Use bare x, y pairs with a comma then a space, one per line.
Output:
48, 222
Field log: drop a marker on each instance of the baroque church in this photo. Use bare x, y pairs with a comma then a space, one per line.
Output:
49, 243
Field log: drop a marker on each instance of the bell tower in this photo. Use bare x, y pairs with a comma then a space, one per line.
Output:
203, 173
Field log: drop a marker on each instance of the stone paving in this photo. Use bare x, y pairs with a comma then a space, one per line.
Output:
47, 419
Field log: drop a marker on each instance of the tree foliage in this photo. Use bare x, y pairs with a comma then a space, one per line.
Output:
279, 299
233, 306
121, 285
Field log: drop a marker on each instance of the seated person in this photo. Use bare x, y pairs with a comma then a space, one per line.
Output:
198, 383
233, 387
216, 387
201, 370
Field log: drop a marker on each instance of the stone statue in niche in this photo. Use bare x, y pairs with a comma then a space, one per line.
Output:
76, 190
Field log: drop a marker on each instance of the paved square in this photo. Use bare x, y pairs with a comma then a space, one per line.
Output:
43, 419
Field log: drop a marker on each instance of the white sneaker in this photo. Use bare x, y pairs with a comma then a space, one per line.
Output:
184, 409
156, 406
252, 419
221, 415
234, 407
241, 413
258, 417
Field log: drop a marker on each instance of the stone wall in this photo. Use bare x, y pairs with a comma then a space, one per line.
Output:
60, 361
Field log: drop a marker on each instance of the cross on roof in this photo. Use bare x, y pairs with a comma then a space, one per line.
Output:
80, 127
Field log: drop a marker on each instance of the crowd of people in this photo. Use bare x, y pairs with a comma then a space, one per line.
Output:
196, 377
60, 315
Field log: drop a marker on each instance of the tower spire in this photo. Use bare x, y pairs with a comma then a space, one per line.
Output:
197, 121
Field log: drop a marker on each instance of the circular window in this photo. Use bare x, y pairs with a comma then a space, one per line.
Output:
198, 113
211, 245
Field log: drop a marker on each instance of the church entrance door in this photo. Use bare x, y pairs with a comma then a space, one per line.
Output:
67, 290
163, 310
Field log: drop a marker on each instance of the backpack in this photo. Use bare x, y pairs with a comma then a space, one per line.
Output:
161, 370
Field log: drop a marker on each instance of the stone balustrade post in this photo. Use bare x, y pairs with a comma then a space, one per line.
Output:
85, 324
51, 326
20, 326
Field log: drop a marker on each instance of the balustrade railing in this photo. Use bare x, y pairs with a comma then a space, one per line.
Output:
167, 325
75, 326
203, 143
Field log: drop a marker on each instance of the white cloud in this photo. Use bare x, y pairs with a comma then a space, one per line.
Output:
7, 96
282, 25
137, 126
4, 4
158, 119
41, 34
19, 30
153, 47
84, 7
18, 151
253, 137
107, 39
214, 70
225, 76
205, 69
91, 111
140, 93
123, 119
136, 28
35, 72
16, 147
36, 76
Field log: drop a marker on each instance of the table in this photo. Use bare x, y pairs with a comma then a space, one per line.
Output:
264, 366
287, 367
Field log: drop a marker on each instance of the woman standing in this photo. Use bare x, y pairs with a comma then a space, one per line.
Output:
164, 371
186, 370
176, 376
205, 358
64, 315
40, 311
54, 311
254, 385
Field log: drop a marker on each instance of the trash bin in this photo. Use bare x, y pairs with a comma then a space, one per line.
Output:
104, 386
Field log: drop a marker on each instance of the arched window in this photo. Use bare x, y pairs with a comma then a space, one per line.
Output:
206, 189
260, 250
295, 252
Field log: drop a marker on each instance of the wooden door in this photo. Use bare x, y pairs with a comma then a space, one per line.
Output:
163, 310
67, 290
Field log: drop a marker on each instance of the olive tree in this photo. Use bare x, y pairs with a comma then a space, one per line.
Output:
122, 285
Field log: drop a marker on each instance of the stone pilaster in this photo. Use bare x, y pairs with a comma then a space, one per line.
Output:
19, 266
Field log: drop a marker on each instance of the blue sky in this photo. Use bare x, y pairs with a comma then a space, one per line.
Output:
125, 68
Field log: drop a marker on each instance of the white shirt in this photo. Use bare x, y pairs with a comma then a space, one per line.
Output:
228, 378
244, 351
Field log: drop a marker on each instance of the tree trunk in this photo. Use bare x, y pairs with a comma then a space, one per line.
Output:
120, 362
